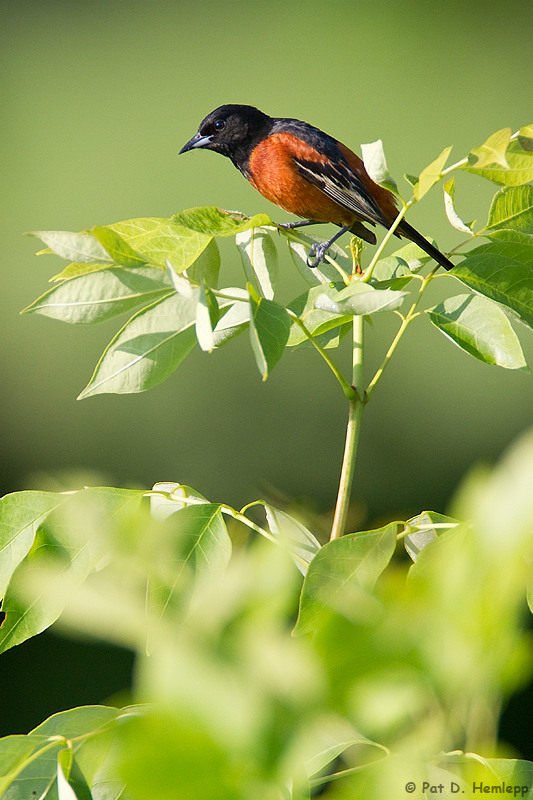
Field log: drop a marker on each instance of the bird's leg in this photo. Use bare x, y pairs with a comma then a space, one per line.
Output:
300, 224
318, 251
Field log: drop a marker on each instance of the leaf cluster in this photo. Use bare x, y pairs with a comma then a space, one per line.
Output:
387, 675
267, 670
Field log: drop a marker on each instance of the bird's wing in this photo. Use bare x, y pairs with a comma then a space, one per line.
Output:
344, 186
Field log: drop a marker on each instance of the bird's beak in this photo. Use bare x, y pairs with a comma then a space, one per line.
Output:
197, 141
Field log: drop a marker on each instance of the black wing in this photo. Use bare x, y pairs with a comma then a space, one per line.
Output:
342, 185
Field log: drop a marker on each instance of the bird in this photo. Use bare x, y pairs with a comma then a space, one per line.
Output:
307, 173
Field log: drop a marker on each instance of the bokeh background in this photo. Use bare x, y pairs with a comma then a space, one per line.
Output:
97, 98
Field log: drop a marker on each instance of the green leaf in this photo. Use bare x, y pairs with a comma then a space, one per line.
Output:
259, 259
492, 151
511, 209
78, 721
159, 239
525, 138
479, 327
391, 273
74, 246
425, 527
328, 738
167, 497
197, 545
328, 340
325, 273
21, 513
360, 299
206, 267
431, 174
64, 789
376, 164
218, 222
119, 250
317, 322
28, 764
519, 171
76, 269
207, 314
301, 543
233, 322
71, 543
269, 331
449, 206
101, 295
503, 272
202, 538
413, 255
150, 346
342, 574
411, 179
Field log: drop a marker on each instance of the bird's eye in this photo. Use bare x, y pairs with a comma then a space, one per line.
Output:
219, 125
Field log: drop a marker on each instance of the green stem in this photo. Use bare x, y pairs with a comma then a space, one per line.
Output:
377, 255
457, 165
412, 313
357, 404
348, 390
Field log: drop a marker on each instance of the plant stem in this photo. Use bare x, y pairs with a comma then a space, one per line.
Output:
357, 403
377, 255
346, 388
412, 313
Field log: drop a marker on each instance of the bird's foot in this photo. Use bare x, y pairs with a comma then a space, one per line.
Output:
316, 254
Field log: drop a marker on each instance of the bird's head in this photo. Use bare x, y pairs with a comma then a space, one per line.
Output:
230, 130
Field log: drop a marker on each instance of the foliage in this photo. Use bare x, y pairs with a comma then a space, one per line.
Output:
369, 676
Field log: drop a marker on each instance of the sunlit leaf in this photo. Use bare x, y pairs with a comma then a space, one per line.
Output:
480, 327
64, 789
269, 331
502, 271
342, 574
74, 246
413, 255
233, 322
260, 260
425, 527
293, 535
100, 295
119, 250
492, 151
512, 208
167, 497
150, 346
525, 138
68, 543
520, 171
360, 299
316, 321
77, 268
21, 513
207, 314
206, 267
376, 164
451, 213
328, 738
159, 239
215, 221
431, 174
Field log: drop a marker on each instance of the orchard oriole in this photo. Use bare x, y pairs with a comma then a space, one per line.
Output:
306, 172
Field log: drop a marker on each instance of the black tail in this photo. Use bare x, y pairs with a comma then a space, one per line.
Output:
410, 233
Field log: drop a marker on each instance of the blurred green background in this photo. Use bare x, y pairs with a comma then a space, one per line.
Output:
97, 99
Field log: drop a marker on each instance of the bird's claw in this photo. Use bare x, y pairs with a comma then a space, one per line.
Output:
316, 254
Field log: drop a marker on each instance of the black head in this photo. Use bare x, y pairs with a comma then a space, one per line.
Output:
231, 130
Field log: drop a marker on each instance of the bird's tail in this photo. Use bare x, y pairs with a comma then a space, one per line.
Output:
411, 233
